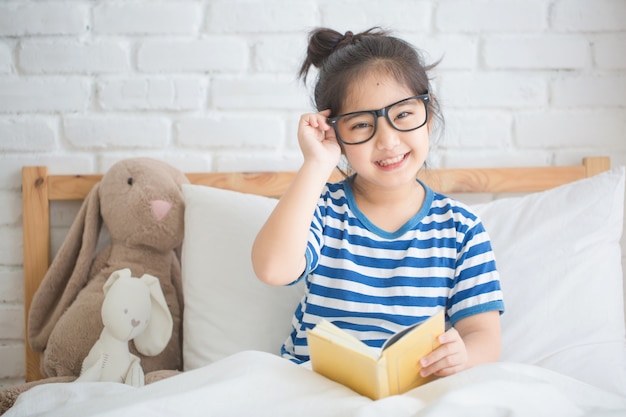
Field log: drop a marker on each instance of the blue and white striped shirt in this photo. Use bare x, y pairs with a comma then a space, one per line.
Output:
373, 283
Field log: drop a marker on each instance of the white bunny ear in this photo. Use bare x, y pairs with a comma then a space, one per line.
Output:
159, 331
114, 277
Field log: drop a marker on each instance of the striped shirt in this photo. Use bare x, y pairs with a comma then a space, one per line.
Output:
373, 283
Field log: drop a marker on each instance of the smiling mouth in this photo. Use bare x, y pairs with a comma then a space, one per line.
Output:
392, 161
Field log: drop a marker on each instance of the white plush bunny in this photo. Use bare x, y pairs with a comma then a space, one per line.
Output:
133, 308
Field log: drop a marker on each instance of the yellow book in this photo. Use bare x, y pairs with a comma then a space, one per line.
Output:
345, 359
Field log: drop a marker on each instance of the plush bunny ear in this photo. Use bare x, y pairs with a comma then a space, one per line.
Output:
120, 273
159, 331
67, 274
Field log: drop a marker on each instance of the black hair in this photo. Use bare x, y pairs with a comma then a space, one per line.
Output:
343, 59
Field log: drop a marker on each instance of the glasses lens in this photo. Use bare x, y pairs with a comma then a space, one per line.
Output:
408, 114
356, 127
359, 127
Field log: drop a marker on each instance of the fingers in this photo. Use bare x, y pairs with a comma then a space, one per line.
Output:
449, 358
316, 120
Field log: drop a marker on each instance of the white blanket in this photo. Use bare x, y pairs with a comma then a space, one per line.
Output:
261, 384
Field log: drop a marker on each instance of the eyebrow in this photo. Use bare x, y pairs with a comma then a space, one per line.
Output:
354, 115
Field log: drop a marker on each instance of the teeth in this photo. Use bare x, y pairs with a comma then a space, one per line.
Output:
391, 161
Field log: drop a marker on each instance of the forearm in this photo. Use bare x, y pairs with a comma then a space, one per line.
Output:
472, 341
482, 346
278, 250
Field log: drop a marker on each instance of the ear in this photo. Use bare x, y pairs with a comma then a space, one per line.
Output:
159, 331
114, 277
430, 123
67, 274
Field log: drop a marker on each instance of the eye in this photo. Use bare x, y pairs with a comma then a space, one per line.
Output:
403, 114
125, 311
363, 125
130, 181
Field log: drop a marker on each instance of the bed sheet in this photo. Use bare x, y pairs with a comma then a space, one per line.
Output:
261, 384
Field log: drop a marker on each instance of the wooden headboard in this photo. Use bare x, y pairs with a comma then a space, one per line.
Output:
39, 188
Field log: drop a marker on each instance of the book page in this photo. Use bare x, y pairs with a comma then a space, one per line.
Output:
361, 372
404, 354
328, 330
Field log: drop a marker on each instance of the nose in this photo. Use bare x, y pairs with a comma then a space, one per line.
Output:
160, 208
386, 136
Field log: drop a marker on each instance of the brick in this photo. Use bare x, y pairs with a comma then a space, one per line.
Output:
259, 93
29, 134
11, 165
589, 16
11, 285
477, 129
63, 213
571, 128
491, 16
44, 94
150, 93
575, 157
590, 91
97, 132
291, 137
43, 18
537, 52
279, 53
57, 236
605, 49
12, 354
227, 16
488, 158
185, 162
415, 16
453, 52
6, 58
10, 249
222, 131
492, 89
218, 54
257, 161
52, 57
180, 17
11, 212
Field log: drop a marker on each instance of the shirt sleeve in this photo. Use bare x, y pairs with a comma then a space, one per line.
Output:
314, 245
477, 281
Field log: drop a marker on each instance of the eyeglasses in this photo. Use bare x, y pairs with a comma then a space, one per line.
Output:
360, 126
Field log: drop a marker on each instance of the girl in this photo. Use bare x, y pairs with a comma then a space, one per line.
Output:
379, 250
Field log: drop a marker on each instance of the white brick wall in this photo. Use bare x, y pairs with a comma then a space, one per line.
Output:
211, 85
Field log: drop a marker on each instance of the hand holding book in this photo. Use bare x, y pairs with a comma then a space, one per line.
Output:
345, 359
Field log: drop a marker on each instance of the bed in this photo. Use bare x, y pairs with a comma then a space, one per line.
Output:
557, 243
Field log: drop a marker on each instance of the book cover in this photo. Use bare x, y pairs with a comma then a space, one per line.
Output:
371, 372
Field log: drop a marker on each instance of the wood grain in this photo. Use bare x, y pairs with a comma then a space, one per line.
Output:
36, 241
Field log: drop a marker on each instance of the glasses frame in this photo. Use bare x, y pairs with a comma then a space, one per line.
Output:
380, 113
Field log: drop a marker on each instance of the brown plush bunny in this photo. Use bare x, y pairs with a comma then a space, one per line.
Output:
140, 202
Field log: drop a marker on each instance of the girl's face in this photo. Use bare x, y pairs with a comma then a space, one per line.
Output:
391, 159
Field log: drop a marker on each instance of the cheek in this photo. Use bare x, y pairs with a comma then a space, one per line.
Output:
358, 154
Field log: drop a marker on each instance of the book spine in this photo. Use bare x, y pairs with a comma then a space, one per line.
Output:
383, 379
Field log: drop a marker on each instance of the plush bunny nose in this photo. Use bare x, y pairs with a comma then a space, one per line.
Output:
160, 208
135, 323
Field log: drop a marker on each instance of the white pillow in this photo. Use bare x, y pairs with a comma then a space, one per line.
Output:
557, 251
228, 310
559, 257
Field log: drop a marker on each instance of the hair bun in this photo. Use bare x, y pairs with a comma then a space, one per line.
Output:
324, 41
